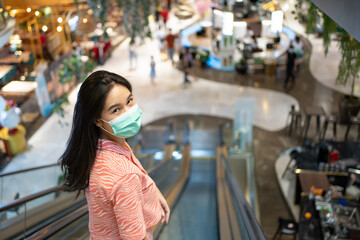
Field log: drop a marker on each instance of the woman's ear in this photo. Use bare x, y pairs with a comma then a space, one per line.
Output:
98, 122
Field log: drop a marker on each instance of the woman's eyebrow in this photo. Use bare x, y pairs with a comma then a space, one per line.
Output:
115, 105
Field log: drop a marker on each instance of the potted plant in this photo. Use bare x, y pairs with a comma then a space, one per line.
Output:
241, 66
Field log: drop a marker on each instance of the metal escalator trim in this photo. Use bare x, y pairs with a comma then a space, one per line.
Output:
234, 224
253, 228
173, 195
28, 169
33, 228
18, 202
61, 223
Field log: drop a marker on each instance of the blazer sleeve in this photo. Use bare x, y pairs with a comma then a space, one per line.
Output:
128, 201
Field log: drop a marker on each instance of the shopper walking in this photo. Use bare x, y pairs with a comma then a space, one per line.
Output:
187, 63
291, 56
133, 56
298, 49
152, 70
170, 39
123, 201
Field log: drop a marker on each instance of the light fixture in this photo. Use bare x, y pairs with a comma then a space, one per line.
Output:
1, 10
90, 12
13, 13
59, 28
28, 9
44, 28
37, 13
85, 20
47, 11
59, 19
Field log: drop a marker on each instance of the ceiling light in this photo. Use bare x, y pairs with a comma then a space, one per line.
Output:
28, 9
59, 19
59, 28
37, 13
44, 28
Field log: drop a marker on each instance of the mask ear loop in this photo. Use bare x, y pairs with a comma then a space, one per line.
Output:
107, 130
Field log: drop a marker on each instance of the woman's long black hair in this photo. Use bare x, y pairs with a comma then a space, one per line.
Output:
80, 153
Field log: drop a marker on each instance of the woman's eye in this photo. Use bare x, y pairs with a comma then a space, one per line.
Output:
130, 100
116, 110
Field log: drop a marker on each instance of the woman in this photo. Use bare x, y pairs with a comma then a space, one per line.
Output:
123, 201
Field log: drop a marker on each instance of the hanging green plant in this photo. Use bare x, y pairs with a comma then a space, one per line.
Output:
349, 66
72, 69
329, 27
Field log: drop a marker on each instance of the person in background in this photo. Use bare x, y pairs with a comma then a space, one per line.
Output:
152, 70
44, 46
160, 35
249, 32
165, 14
123, 201
290, 64
133, 56
187, 62
170, 39
101, 49
298, 49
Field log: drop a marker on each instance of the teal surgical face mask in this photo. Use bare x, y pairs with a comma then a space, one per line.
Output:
127, 124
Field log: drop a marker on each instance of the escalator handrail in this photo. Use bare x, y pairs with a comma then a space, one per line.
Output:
61, 223
252, 225
28, 169
169, 135
21, 201
186, 135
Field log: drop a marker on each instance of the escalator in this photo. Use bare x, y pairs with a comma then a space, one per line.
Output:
204, 196
197, 199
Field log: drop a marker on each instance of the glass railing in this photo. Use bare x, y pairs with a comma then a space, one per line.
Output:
246, 216
18, 184
24, 216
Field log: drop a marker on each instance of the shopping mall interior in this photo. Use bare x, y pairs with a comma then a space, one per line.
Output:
250, 113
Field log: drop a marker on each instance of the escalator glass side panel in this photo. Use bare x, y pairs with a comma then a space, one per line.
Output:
242, 166
77, 230
37, 212
195, 215
26, 183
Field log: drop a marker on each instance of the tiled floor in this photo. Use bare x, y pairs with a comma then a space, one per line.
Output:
211, 93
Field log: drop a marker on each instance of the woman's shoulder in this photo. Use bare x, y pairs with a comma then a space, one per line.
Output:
108, 162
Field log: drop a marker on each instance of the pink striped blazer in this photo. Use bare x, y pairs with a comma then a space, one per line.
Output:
122, 198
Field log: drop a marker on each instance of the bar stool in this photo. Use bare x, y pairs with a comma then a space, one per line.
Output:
286, 226
329, 119
295, 118
353, 121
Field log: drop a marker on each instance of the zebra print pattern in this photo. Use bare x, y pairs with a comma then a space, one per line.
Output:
122, 198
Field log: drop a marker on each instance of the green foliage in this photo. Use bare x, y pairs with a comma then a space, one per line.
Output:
136, 18
99, 8
313, 16
329, 27
349, 66
72, 69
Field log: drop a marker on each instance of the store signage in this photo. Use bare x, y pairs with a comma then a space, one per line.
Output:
228, 23
42, 95
277, 21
